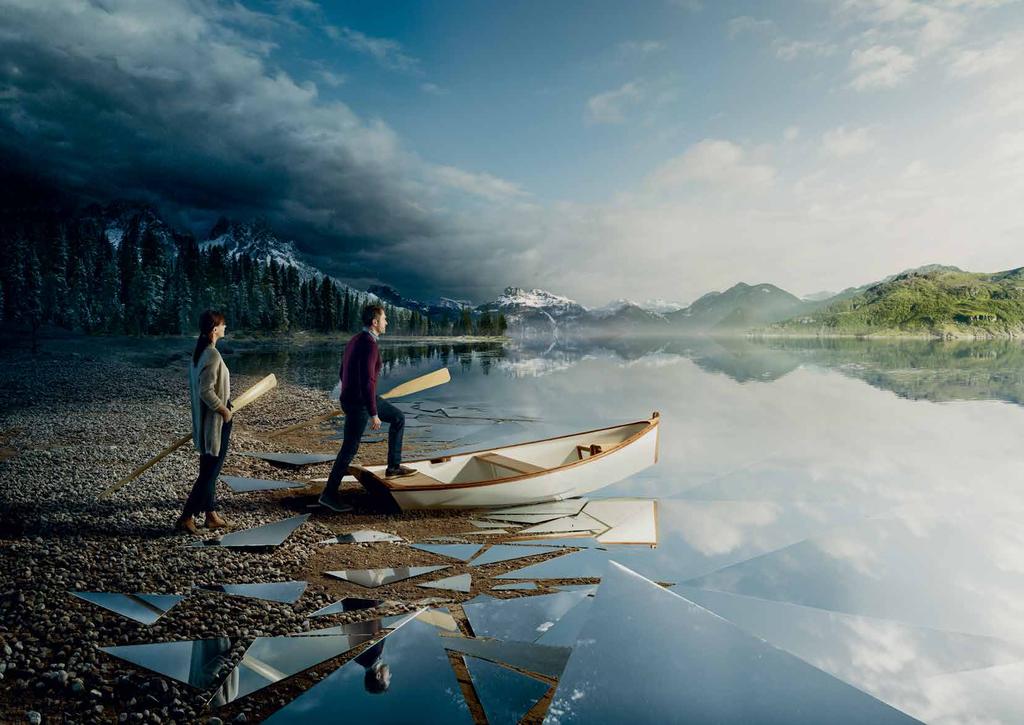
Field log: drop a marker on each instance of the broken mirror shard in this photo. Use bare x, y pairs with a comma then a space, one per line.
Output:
405, 677
485, 532
462, 552
580, 523
286, 592
366, 627
379, 577
271, 659
564, 632
348, 604
549, 661
240, 484
637, 631
199, 663
524, 619
504, 694
438, 617
457, 583
832, 641
515, 586
267, 535
523, 518
889, 567
508, 552
365, 536
630, 521
568, 507
293, 460
488, 524
143, 608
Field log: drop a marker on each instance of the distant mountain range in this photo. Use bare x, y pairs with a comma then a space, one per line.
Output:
933, 300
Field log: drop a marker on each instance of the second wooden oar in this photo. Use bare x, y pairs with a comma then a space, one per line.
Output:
267, 383
423, 382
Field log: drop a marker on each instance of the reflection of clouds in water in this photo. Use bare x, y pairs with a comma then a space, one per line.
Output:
715, 532
863, 556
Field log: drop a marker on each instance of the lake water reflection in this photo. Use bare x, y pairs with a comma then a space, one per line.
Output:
877, 480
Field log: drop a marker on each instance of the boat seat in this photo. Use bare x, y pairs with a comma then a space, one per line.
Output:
416, 479
510, 463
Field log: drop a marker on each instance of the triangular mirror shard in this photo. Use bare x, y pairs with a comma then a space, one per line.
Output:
348, 604
508, 552
568, 507
267, 535
837, 643
580, 523
897, 567
379, 577
524, 619
294, 460
514, 585
549, 661
505, 695
240, 484
565, 631
457, 583
637, 631
488, 524
365, 536
438, 617
403, 678
271, 659
143, 608
462, 552
285, 592
199, 663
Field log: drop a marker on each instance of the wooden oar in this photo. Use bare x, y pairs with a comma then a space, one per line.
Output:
423, 382
237, 404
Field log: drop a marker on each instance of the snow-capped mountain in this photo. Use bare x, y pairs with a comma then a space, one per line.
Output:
257, 241
119, 219
517, 300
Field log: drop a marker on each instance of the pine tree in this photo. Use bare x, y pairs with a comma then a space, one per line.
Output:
466, 322
80, 316
111, 309
502, 323
57, 304
30, 303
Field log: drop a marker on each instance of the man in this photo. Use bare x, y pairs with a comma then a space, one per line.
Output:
360, 367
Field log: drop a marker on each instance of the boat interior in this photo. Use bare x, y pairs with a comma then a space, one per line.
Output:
511, 461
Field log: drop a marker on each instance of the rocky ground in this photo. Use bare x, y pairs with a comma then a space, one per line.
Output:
77, 417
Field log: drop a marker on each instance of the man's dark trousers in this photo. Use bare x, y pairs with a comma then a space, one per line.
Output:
356, 418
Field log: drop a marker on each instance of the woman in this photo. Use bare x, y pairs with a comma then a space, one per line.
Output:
210, 386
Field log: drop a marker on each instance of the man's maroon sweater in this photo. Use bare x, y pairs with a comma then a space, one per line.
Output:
360, 366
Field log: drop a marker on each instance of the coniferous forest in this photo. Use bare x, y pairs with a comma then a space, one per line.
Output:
62, 268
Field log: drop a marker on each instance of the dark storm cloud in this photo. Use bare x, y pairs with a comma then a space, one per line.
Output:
179, 103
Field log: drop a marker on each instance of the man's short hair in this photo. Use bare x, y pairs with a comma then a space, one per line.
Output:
370, 313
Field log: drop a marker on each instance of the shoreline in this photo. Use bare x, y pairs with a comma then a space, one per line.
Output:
85, 418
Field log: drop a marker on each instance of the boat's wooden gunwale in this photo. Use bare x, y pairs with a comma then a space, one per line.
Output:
396, 485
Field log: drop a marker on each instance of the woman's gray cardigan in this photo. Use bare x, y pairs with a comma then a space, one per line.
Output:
210, 386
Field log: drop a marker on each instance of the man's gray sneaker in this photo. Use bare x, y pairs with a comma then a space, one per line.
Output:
399, 472
333, 504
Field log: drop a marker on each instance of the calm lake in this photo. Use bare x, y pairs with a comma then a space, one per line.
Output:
856, 504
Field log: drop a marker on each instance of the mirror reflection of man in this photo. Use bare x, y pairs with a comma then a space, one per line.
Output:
360, 367
378, 674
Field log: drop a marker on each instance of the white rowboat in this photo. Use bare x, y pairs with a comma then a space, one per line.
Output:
546, 470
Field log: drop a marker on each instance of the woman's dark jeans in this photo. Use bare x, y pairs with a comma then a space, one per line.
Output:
204, 490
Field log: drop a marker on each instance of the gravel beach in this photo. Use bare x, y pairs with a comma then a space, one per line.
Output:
81, 414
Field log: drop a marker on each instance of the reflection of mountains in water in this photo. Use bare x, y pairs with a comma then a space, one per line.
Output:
915, 369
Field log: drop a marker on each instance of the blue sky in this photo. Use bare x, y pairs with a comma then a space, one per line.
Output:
655, 149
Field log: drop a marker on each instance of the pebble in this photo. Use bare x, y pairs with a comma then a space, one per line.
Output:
34, 718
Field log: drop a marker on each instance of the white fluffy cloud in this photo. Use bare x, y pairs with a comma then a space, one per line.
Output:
611, 106
879, 66
842, 142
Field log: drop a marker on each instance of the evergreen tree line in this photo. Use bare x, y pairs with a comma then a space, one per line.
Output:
75, 278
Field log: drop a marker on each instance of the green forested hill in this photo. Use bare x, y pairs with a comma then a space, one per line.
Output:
937, 301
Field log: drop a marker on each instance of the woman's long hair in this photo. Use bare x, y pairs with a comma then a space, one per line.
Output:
207, 321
